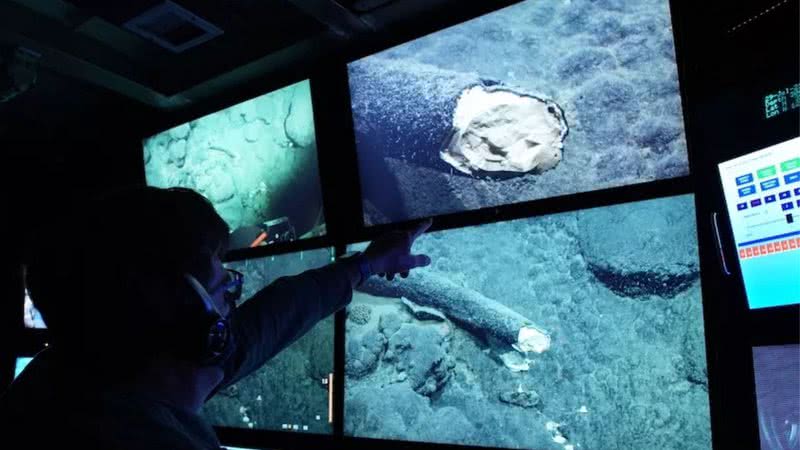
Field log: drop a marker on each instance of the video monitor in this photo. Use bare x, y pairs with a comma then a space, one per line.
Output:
255, 161
540, 99
20, 365
578, 330
291, 391
762, 194
31, 316
777, 375
228, 447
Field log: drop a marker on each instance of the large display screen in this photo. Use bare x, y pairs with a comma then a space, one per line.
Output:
291, 391
762, 194
255, 161
21, 364
31, 316
569, 331
540, 99
777, 374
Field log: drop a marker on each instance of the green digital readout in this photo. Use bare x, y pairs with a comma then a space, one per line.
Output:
781, 101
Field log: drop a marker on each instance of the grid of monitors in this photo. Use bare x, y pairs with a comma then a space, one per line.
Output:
574, 330
255, 161
581, 329
777, 376
540, 99
762, 194
291, 391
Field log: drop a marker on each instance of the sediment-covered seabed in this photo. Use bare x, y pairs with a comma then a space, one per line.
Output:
287, 390
580, 330
255, 161
608, 67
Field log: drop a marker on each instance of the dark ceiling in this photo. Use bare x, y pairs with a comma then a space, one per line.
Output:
87, 40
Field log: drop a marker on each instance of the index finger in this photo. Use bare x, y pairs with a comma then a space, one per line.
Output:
420, 229
409, 262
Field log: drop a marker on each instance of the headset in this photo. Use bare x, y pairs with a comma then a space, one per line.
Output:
219, 339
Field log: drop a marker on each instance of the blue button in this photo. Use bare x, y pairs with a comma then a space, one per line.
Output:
787, 206
741, 206
769, 184
798, 203
755, 202
747, 190
769, 199
796, 191
744, 179
784, 195
792, 178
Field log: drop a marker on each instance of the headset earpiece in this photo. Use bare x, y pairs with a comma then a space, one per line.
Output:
218, 334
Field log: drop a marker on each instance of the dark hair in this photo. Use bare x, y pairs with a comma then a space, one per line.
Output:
110, 281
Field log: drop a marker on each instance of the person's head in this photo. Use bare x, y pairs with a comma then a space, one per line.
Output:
111, 283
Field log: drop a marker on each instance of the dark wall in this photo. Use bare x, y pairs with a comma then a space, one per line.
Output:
60, 142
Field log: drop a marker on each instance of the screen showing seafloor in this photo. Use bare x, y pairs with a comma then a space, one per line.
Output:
290, 392
777, 375
255, 161
579, 330
540, 99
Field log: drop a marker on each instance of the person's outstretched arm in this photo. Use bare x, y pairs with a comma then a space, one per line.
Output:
286, 309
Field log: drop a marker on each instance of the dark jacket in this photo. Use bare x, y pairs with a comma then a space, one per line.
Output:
52, 406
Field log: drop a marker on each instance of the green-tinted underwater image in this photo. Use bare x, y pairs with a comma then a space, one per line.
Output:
255, 161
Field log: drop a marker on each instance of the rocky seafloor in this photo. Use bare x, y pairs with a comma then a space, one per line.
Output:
255, 161
617, 290
609, 64
288, 388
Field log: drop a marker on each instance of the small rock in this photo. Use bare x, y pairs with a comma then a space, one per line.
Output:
523, 399
177, 152
514, 361
390, 323
359, 314
363, 351
423, 312
230, 391
421, 351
